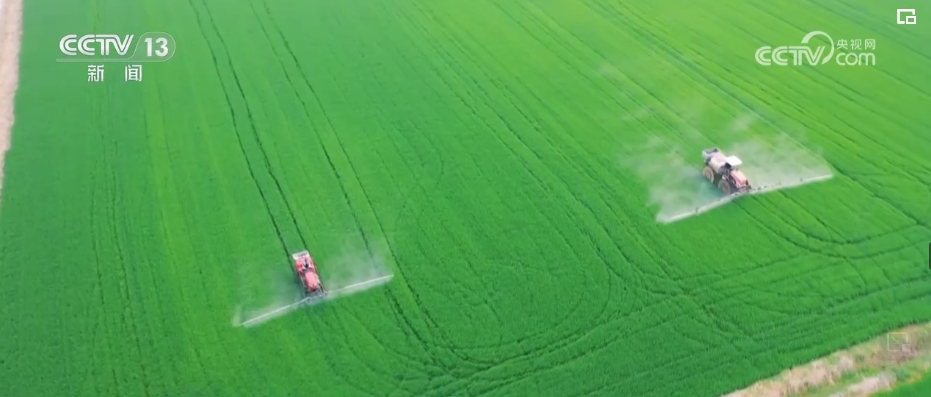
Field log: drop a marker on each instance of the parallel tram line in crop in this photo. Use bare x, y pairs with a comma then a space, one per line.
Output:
162, 193
235, 122
399, 310
378, 221
353, 172
278, 186
110, 221
131, 283
249, 162
258, 141
171, 243
330, 126
153, 258
275, 222
307, 84
278, 56
305, 105
95, 182
100, 177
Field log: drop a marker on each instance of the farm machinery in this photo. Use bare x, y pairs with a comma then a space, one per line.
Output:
306, 273
724, 172
305, 270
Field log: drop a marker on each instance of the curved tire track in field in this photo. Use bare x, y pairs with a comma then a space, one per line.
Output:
573, 334
451, 346
542, 185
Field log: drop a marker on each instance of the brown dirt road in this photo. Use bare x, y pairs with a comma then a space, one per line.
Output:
11, 15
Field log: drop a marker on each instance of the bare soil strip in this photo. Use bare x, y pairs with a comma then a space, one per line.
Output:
11, 15
898, 357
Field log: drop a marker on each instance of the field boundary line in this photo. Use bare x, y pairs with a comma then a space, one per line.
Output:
895, 357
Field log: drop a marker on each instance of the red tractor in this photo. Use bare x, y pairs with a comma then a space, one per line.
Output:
723, 171
307, 274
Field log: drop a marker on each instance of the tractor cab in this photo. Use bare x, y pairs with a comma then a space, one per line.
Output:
732, 161
725, 165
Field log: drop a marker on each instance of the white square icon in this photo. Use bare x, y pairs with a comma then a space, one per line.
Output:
909, 16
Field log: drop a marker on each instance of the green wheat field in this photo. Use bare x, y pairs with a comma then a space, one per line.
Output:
504, 160
920, 389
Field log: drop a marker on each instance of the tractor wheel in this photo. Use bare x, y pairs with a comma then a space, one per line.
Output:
708, 173
725, 187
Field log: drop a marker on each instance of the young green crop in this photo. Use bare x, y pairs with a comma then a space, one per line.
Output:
487, 152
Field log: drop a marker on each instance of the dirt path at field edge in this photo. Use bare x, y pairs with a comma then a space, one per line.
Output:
11, 25
862, 370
